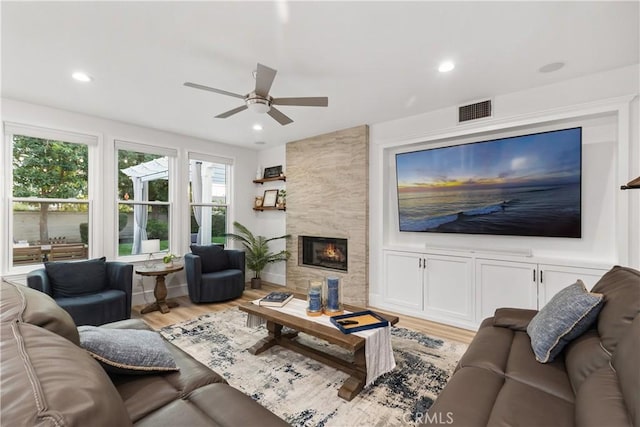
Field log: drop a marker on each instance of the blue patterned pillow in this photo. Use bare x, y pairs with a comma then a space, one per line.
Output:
127, 351
567, 316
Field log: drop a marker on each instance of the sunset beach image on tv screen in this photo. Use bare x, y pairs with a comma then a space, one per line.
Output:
527, 185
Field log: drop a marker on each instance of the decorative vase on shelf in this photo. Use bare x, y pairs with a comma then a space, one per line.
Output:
314, 298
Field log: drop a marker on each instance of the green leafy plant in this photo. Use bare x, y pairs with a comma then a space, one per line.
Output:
169, 257
257, 252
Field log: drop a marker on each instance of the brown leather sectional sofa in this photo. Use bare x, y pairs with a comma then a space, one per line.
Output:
47, 379
594, 382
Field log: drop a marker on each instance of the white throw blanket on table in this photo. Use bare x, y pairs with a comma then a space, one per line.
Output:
378, 351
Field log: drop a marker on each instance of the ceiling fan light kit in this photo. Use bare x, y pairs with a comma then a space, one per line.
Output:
258, 104
259, 100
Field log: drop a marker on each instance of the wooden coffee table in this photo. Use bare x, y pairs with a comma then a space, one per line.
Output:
355, 344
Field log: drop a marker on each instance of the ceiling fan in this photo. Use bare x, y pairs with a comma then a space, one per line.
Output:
260, 101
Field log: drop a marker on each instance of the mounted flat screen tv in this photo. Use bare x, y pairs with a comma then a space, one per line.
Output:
527, 185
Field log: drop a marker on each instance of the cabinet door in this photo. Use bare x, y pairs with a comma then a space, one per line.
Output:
554, 278
505, 284
449, 287
403, 279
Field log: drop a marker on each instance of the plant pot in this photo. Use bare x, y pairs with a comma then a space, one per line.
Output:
256, 283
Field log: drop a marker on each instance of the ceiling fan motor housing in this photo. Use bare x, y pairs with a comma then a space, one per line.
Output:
258, 103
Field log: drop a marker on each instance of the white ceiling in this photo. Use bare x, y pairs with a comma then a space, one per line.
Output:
376, 61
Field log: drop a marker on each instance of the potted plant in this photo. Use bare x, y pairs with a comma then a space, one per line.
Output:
168, 259
282, 198
257, 252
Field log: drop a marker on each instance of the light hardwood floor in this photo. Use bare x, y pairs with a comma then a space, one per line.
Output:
188, 310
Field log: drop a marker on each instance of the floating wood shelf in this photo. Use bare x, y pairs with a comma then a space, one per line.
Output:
276, 178
633, 184
270, 209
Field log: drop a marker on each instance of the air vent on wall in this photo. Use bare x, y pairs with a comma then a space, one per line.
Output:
477, 110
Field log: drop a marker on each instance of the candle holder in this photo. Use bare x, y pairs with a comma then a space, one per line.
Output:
333, 296
314, 298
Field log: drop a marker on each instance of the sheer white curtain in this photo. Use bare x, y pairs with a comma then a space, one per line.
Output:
196, 189
140, 193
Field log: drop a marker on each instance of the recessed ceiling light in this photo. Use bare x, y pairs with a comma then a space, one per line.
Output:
550, 68
446, 66
81, 76
257, 126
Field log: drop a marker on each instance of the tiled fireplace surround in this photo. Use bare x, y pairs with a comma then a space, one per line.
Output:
328, 196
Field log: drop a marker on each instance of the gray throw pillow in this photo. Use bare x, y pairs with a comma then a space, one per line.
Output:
127, 351
565, 317
212, 257
76, 277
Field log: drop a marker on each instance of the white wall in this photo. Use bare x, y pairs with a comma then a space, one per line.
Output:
104, 240
272, 223
604, 167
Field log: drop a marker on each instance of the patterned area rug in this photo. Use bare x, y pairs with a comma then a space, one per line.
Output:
305, 392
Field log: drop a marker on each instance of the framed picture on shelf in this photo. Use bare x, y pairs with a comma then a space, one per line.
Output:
273, 171
270, 198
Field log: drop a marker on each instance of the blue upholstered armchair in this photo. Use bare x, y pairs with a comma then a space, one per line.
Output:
94, 292
214, 273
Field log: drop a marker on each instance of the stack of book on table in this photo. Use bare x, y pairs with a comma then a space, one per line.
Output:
276, 299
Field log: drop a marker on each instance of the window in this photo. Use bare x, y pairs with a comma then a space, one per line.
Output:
49, 199
144, 205
208, 198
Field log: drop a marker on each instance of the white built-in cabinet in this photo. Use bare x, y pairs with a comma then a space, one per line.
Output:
440, 286
462, 290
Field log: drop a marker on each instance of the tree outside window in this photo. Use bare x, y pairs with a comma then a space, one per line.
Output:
50, 195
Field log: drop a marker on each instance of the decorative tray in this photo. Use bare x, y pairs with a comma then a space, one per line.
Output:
364, 320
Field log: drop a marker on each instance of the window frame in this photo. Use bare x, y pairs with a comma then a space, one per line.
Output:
172, 159
229, 164
92, 141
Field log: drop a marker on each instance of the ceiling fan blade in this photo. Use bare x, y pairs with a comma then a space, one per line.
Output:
279, 116
320, 101
231, 112
264, 80
211, 89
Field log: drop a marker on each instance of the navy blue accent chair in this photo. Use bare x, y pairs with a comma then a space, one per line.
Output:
96, 299
214, 274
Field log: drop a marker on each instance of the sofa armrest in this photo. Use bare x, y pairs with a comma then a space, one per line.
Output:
120, 277
193, 269
516, 319
38, 279
236, 259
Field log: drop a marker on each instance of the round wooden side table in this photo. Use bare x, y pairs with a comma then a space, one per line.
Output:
160, 290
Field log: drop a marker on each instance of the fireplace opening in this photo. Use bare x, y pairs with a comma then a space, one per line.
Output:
323, 252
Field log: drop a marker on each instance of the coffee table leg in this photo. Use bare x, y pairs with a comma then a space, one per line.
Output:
274, 337
355, 383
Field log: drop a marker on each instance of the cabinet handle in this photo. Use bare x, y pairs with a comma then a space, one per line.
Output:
541, 275
424, 263
534, 275
419, 262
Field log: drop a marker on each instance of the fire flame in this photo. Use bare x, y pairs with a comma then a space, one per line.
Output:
331, 252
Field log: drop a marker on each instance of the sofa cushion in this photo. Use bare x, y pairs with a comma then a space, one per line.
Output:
232, 408
127, 351
37, 308
78, 277
213, 257
565, 317
147, 393
48, 381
